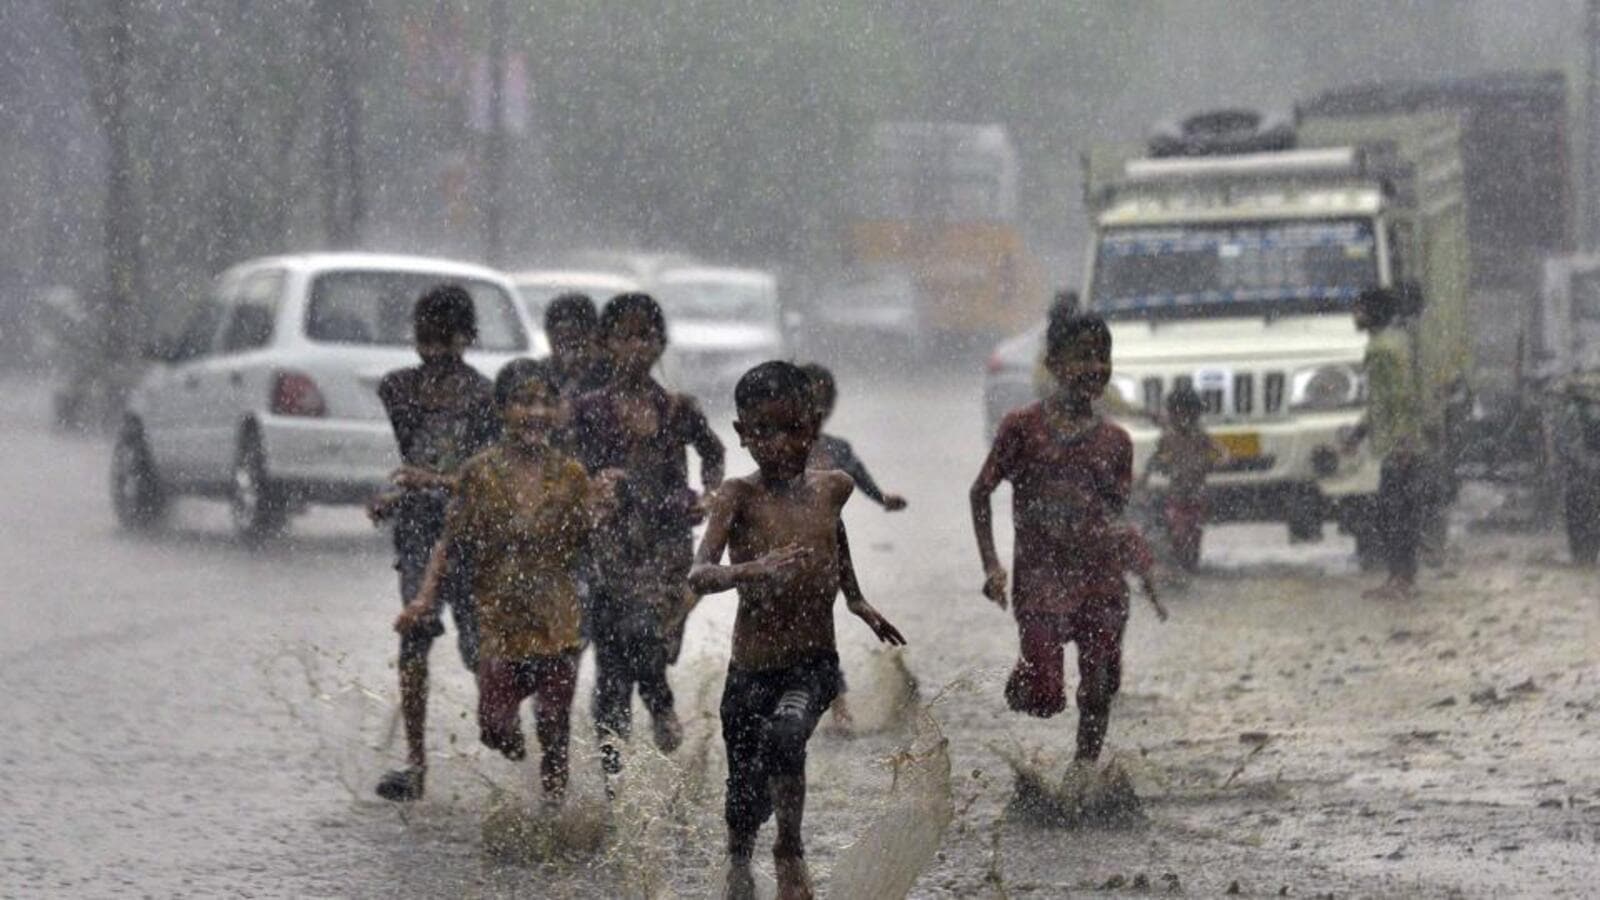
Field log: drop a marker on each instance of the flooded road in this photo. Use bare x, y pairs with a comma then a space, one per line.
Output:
188, 717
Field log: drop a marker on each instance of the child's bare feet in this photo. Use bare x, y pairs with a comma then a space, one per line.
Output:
794, 879
402, 785
668, 732
741, 882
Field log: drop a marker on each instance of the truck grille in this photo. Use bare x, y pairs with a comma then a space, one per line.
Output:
1253, 394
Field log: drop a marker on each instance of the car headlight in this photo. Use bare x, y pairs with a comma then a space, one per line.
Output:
1335, 386
1127, 389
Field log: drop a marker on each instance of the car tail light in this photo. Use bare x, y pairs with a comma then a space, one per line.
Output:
295, 394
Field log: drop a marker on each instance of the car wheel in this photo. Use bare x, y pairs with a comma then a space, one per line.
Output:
137, 497
259, 507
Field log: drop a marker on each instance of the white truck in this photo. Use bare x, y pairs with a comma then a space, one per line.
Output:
1234, 274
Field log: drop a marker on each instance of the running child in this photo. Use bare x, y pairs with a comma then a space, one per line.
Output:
572, 325
789, 559
1186, 454
832, 452
521, 510
640, 595
442, 413
1070, 472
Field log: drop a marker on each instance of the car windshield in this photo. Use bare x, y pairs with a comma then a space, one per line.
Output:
375, 308
718, 300
1232, 269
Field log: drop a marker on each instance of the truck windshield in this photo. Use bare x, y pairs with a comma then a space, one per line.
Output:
1233, 269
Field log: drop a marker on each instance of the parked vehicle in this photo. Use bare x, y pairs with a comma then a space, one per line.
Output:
640, 265
269, 399
872, 308
720, 322
939, 200
537, 287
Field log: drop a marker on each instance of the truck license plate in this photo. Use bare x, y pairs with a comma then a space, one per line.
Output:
1243, 445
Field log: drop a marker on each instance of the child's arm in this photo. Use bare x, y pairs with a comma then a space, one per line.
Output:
416, 478
1149, 585
421, 607
710, 575
857, 470
707, 446
994, 574
856, 602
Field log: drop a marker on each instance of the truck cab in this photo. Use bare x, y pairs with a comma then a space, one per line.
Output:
1235, 275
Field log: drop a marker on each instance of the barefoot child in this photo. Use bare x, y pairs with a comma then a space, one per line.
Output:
640, 595
1070, 473
789, 558
1186, 454
832, 452
442, 413
521, 510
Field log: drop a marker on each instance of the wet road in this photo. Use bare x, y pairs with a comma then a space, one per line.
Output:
187, 717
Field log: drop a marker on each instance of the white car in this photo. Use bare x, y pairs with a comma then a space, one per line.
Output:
720, 322
269, 397
537, 287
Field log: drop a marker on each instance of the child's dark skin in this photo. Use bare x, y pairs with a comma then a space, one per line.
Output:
789, 558
1081, 376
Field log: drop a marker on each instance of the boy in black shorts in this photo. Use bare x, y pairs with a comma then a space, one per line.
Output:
789, 558
443, 413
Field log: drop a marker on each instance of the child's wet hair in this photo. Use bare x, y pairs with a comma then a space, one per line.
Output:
1066, 329
774, 380
522, 375
1383, 305
574, 309
825, 389
445, 312
1184, 400
625, 306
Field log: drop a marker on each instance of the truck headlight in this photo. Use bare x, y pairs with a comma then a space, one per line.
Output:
1334, 386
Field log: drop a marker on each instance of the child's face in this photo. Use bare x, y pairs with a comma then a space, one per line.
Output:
436, 348
1079, 370
778, 435
571, 342
635, 346
532, 415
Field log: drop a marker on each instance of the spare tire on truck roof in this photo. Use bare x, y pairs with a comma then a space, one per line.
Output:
1222, 132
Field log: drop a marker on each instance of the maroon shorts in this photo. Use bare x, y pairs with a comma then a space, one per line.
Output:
1037, 685
502, 686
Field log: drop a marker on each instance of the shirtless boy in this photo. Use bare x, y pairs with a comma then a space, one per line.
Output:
789, 558
521, 509
1070, 472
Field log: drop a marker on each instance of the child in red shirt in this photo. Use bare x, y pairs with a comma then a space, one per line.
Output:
1070, 472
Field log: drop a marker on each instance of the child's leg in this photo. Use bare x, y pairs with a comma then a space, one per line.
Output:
1099, 643
502, 684
456, 593
1037, 686
746, 701
555, 681
613, 683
